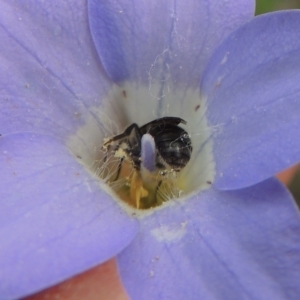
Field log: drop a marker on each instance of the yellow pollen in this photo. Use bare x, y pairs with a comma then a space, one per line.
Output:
137, 190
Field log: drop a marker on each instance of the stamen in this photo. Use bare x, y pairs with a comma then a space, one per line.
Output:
137, 190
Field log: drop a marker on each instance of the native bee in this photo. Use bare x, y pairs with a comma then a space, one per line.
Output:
173, 150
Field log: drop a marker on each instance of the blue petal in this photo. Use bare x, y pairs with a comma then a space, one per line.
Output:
241, 244
51, 74
55, 220
253, 94
144, 39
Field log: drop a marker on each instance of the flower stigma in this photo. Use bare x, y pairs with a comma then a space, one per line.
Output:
118, 143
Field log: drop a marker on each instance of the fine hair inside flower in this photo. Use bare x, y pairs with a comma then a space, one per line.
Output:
146, 146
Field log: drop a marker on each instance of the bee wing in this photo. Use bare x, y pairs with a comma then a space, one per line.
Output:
161, 122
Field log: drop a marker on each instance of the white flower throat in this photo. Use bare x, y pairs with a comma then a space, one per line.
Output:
146, 149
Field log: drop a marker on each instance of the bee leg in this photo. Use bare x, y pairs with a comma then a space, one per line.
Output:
104, 159
157, 189
132, 130
119, 168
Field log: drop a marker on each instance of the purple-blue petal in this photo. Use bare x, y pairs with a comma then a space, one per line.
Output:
253, 97
242, 244
142, 40
55, 219
51, 73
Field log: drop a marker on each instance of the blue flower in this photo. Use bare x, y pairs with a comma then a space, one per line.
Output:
67, 68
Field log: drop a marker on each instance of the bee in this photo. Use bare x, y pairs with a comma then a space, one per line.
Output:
173, 150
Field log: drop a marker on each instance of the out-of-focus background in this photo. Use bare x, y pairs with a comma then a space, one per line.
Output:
295, 187
264, 6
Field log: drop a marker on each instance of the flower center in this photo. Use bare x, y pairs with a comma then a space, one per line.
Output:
147, 146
